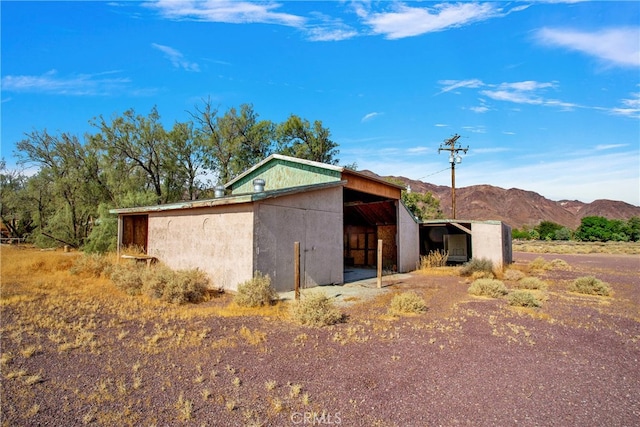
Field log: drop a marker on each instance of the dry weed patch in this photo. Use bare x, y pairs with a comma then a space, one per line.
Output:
591, 286
407, 303
523, 299
256, 292
315, 309
488, 288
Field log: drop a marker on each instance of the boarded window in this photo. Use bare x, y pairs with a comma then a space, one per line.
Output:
134, 231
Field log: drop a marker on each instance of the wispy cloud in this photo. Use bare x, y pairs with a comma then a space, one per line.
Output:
177, 58
614, 46
630, 107
76, 84
405, 21
524, 92
370, 116
235, 12
450, 85
602, 147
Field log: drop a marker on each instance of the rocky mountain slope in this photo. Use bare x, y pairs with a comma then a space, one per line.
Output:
518, 207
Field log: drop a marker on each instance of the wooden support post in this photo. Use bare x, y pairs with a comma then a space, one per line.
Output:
379, 263
296, 270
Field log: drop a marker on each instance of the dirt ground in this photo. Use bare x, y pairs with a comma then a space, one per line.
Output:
84, 357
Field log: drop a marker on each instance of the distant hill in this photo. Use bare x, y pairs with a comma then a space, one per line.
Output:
517, 207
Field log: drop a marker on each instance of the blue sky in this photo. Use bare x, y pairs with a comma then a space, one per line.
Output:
545, 94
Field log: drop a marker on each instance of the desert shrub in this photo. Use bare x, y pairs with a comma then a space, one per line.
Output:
433, 259
407, 302
531, 283
513, 275
93, 265
591, 286
315, 309
186, 286
256, 292
155, 279
128, 277
160, 282
523, 299
539, 263
477, 265
488, 287
559, 264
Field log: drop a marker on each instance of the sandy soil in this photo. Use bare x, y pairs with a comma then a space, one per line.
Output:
466, 361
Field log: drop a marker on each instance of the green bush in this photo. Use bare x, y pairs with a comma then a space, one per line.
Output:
531, 283
93, 265
477, 265
315, 309
523, 299
256, 292
591, 286
407, 302
488, 287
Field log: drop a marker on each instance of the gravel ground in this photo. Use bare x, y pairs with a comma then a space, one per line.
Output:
466, 361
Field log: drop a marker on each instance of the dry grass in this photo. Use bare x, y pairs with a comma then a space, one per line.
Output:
80, 318
570, 247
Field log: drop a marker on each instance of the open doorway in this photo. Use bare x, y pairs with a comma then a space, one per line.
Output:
367, 219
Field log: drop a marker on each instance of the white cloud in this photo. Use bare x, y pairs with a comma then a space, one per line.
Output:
76, 84
235, 12
609, 146
449, 85
405, 21
370, 116
480, 109
176, 58
630, 107
614, 46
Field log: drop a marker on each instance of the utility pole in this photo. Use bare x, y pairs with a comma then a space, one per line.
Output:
453, 149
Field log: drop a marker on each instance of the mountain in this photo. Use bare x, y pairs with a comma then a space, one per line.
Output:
517, 207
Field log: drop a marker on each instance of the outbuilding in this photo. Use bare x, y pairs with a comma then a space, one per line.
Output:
336, 214
463, 240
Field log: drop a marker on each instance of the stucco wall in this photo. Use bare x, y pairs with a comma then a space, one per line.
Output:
315, 220
408, 240
488, 242
217, 240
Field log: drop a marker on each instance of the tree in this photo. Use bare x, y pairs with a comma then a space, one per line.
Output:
233, 142
297, 138
547, 230
140, 144
423, 206
600, 229
63, 163
15, 210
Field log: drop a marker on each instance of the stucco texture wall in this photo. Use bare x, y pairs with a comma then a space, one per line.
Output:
488, 242
217, 240
408, 240
315, 220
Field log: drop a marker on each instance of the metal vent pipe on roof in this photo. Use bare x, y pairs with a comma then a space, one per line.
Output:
218, 191
258, 185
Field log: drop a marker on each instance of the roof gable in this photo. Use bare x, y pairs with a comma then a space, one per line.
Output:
280, 172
